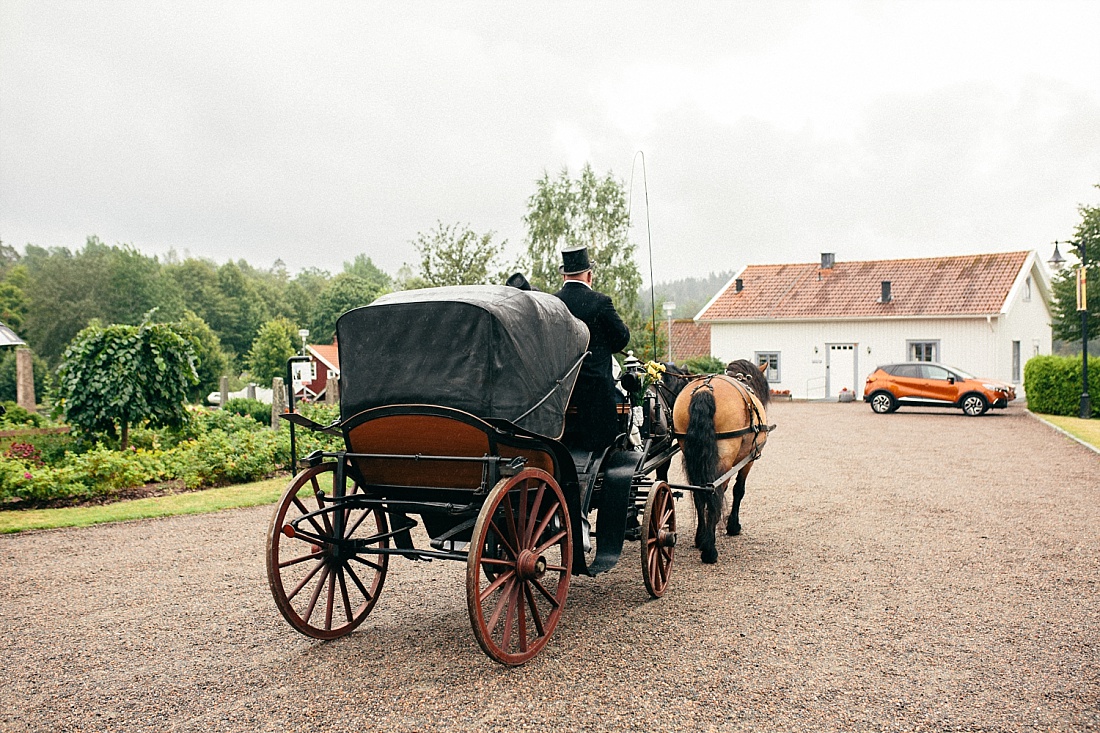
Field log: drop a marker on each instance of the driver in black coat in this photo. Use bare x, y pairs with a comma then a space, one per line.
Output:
595, 422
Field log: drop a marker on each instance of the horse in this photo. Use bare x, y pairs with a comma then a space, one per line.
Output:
720, 421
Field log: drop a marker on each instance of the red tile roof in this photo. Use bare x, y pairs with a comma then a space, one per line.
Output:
690, 339
327, 353
935, 286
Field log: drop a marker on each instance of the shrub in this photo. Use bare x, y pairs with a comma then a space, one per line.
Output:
258, 411
215, 447
19, 417
705, 365
1053, 384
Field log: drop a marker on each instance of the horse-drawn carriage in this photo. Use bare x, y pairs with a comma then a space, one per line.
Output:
452, 404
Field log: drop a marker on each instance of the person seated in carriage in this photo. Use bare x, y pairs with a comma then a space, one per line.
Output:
593, 421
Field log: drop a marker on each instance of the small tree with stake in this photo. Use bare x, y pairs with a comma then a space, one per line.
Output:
113, 377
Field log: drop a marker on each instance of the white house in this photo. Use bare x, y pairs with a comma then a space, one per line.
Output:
822, 327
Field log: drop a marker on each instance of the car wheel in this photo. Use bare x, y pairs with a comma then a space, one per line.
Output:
974, 405
883, 403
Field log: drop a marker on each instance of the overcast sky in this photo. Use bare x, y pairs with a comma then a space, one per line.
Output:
771, 132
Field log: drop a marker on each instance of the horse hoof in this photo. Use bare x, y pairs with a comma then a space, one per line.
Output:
710, 557
733, 531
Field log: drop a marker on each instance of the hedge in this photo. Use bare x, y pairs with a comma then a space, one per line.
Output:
214, 449
1053, 385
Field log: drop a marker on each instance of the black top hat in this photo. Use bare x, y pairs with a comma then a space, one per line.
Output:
519, 281
574, 261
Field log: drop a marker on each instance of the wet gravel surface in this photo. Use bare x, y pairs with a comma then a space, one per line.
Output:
920, 571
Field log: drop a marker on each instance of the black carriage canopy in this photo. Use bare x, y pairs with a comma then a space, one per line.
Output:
490, 350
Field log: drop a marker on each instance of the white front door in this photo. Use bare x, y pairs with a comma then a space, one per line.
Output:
840, 369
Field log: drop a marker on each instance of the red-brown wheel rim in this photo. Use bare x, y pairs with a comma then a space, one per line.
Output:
517, 570
323, 587
658, 539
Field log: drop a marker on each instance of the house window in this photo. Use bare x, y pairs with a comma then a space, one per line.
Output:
771, 360
1016, 362
923, 350
1027, 290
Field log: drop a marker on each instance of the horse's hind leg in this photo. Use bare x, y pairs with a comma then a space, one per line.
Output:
708, 551
733, 524
700, 516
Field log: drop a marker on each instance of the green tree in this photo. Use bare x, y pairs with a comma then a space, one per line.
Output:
1067, 319
14, 303
113, 377
342, 294
456, 255
586, 211
362, 267
66, 290
274, 344
241, 310
211, 362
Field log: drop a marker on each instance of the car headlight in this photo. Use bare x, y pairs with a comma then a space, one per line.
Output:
995, 387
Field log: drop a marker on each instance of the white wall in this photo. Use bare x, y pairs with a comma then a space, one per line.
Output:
978, 345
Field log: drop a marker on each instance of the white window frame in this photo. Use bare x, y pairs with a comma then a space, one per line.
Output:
912, 346
773, 373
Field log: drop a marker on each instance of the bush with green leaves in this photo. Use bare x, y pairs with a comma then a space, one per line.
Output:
15, 417
214, 448
705, 365
258, 411
117, 376
1053, 384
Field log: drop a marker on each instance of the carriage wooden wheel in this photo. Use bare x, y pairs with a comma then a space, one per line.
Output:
518, 567
322, 581
658, 538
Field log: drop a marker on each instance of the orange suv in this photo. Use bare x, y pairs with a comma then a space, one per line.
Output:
924, 384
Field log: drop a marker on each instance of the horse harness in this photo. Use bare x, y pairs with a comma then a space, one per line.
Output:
755, 427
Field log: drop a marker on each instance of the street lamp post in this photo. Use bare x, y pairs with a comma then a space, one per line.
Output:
1057, 260
669, 308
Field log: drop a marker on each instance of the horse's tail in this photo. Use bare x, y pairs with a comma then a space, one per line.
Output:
700, 441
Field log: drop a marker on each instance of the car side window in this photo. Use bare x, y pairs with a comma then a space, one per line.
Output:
906, 370
935, 372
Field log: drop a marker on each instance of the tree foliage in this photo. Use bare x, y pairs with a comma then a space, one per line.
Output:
211, 363
586, 211
1067, 319
342, 294
66, 290
117, 376
456, 255
362, 267
276, 342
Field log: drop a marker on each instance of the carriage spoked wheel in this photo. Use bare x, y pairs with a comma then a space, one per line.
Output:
658, 538
322, 582
517, 570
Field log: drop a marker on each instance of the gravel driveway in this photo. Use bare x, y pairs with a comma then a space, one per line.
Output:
920, 571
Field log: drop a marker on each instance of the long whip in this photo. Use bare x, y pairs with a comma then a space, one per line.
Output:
649, 237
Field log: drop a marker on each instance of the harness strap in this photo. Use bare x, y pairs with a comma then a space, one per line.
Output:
755, 428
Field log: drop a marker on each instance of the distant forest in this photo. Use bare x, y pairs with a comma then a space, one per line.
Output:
689, 294
243, 320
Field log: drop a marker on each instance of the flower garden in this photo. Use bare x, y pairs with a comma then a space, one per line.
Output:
41, 467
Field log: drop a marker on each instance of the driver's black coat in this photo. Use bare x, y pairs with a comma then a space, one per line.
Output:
595, 423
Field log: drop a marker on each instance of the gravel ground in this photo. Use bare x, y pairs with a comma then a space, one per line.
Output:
921, 571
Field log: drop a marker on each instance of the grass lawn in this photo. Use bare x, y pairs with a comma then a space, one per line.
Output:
195, 502
1085, 430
